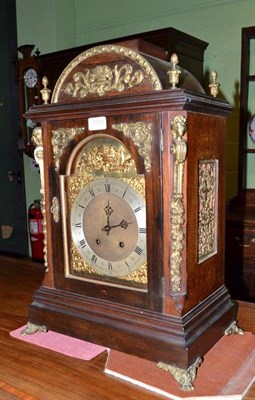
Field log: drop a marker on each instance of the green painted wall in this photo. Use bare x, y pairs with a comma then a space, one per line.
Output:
57, 24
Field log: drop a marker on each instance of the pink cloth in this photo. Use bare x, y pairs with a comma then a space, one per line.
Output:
61, 343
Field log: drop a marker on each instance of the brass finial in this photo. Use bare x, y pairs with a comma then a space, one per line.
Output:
214, 86
174, 72
45, 92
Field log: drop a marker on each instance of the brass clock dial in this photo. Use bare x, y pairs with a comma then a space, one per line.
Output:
108, 225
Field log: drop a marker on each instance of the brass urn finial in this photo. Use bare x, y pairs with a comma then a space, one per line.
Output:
45, 92
214, 86
174, 72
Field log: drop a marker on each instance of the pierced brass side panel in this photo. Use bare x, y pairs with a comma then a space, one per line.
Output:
208, 209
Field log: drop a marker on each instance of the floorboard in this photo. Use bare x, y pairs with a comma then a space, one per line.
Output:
31, 373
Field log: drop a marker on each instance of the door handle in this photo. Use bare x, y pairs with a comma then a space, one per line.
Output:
11, 175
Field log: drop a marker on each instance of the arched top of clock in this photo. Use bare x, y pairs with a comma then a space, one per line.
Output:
111, 70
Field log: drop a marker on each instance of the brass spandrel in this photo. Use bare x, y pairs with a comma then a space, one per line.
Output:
141, 135
60, 139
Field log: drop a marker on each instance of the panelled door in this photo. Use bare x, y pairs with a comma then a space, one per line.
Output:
13, 224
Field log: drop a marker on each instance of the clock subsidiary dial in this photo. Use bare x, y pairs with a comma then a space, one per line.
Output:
30, 78
108, 225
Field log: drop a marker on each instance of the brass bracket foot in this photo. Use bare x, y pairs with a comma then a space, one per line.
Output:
233, 328
32, 328
185, 377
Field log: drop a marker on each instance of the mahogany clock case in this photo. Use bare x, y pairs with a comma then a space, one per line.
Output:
182, 307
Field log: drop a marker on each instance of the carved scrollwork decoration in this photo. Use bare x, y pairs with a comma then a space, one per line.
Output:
60, 139
141, 135
103, 79
177, 210
38, 154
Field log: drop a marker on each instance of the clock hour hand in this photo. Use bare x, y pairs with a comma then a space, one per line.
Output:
108, 210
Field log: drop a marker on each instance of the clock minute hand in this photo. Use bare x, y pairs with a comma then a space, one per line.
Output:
123, 224
108, 210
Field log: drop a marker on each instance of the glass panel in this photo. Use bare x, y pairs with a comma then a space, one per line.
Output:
249, 183
249, 141
251, 99
252, 57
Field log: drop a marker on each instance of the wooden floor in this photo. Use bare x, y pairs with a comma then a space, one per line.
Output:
31, 373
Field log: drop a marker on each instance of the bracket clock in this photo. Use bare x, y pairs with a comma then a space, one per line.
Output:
132, 172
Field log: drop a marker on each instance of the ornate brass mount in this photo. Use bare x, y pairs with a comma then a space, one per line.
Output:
32, 328
55, 209
103, 79
214, 86
60, 139
234, 329
179, 150
45, 92
185, 377
174, 72
141, 134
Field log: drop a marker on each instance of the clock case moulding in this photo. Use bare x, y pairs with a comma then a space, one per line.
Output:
185, 307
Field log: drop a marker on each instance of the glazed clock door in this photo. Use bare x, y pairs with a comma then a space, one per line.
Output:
103, 188
13, 231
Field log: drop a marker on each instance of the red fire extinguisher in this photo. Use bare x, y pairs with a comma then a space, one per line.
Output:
35, 219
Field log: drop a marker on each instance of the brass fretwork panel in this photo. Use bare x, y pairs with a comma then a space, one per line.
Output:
208, 209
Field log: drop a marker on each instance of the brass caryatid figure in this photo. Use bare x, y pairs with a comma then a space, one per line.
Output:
179, 151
